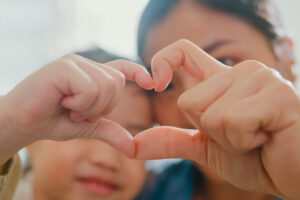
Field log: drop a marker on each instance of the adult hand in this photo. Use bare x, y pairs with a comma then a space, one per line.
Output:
248, 117
68, 99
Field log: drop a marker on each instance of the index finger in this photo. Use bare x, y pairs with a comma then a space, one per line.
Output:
133, 72
186, 54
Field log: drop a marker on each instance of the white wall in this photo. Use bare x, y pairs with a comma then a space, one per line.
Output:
291, 18
33, 33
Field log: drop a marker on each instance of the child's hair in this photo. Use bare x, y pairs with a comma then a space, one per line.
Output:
99, 55
262, 14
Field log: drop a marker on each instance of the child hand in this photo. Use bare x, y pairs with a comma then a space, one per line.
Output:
248, 116
67, 99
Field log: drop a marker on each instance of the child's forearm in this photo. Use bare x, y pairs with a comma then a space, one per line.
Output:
10, 140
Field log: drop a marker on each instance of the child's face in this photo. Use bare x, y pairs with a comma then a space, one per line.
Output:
90, 169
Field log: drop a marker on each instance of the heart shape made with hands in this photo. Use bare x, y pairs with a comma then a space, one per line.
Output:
234, 120
172, 142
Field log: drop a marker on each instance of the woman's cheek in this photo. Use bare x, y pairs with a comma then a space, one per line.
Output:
167, 113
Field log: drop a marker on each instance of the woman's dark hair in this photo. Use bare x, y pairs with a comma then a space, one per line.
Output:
262, 14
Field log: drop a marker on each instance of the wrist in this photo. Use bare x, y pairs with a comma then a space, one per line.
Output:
11, 140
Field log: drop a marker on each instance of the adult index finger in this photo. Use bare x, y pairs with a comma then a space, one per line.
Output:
186, 54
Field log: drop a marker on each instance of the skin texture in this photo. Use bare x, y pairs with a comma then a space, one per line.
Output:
58, 167
242, 136
203, 27
231, 41
67, 99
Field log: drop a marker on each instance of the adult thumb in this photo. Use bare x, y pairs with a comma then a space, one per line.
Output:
169, 142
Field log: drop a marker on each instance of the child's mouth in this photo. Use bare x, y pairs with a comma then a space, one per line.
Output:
99, 186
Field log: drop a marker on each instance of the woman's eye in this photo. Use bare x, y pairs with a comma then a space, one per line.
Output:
227, 61
170, 87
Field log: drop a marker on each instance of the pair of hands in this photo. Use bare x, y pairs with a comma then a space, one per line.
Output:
248, 115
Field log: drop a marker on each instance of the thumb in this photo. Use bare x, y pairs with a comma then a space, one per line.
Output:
112, 133
105, 130
169, 142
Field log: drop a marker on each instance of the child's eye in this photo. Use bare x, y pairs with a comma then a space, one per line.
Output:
227, 61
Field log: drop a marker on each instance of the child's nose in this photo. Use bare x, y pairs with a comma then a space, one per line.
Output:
105, 156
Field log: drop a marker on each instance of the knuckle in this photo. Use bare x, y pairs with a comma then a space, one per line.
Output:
183, 102
120, 60
275, 75
120, 77
117, 62
71, 56
267, 74
252, 65
208, 121
274, 78
237, 144
183, 42
66, 64
233, 132
230, 120
283, 88
92, 90
156, 59
110, 84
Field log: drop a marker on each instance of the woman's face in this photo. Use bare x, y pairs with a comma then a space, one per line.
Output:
226, 37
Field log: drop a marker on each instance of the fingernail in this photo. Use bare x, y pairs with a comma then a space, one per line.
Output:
150, 82
156, 80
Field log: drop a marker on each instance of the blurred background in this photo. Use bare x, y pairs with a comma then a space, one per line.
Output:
34, 33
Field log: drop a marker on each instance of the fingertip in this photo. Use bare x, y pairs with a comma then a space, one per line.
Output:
162, 79
156, 80
130, 153
145, 81
159, 88
67, 102
125, 143
129, 148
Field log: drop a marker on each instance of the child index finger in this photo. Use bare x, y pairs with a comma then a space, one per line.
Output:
133, 72
186, 54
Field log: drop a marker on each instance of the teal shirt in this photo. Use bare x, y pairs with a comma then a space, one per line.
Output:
175, 182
